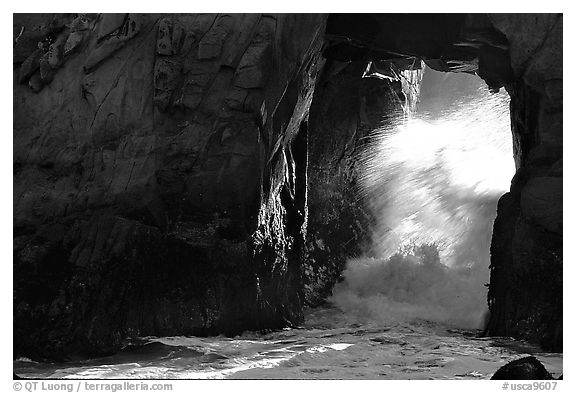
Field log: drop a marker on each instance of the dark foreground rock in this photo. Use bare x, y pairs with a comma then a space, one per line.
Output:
524, 369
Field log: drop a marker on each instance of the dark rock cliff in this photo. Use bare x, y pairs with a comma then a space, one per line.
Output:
194, 174
525, 296
159, 175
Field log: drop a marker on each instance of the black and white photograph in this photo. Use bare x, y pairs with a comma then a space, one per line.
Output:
285, 196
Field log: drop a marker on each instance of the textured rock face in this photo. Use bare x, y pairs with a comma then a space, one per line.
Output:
159, 183
525, 295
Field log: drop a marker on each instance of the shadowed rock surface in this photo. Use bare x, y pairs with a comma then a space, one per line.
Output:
159, 180
526, 368
192, 174
525, 293
345, 109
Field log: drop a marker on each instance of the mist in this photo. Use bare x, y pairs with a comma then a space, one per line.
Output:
432, 179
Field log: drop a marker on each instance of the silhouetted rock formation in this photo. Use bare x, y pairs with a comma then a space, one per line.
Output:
526, 368
164, 167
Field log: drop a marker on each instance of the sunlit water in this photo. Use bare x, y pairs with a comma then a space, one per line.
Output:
433, 179
413, 306
328, 346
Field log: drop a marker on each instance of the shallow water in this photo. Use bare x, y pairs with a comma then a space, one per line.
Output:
330, 345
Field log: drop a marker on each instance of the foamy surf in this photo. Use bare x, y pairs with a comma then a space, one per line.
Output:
432, 180
331, 345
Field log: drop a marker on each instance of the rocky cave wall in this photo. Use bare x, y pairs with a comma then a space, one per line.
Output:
194, 174
525, 293
346, 108
159, 175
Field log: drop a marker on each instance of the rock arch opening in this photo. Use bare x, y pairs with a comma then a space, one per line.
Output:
487, 46
431, 178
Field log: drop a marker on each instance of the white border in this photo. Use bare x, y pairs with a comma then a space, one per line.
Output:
296, 6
